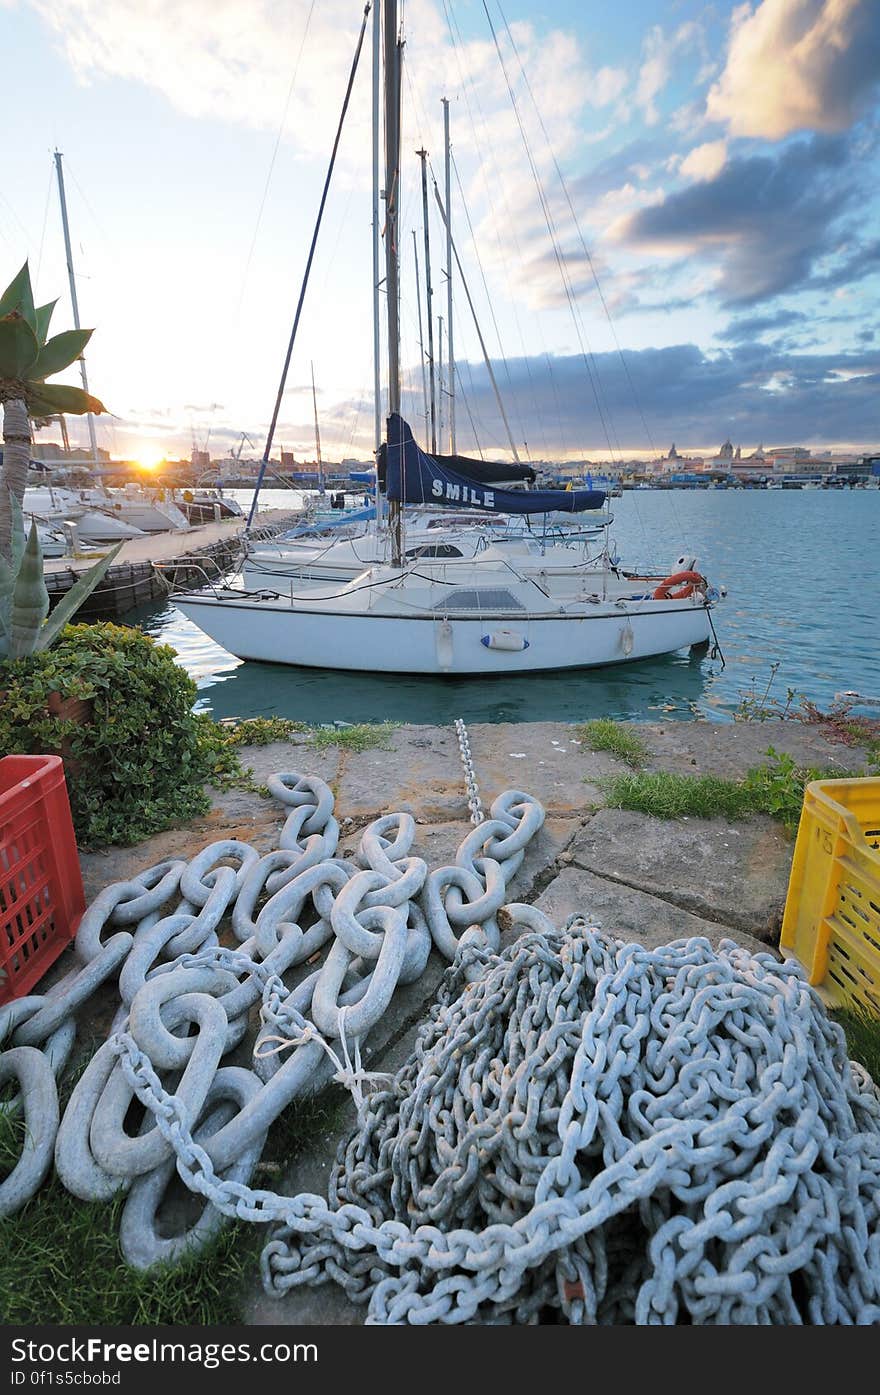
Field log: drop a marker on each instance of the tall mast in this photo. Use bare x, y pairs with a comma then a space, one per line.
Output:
429, 297
486, 359
377, 349
73, 300
393, 55
440, 382
421, 333
317, 435
450, 354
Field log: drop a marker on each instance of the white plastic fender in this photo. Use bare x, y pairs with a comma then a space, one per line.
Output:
444, 645
505, 639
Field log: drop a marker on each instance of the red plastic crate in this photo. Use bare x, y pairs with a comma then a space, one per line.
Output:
41, 890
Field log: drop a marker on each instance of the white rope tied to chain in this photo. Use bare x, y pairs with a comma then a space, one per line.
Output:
349, 1073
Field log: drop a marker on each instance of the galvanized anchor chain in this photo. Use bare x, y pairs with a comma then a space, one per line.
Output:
613, 1133
470, 775
587, 1128
157, 934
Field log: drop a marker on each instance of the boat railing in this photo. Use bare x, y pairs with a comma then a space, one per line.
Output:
185, 575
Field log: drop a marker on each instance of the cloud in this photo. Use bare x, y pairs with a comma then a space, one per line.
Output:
234, 60
750, 392
797, 65
607, 86
752, 326
766, 219
705, 161
856, 262
659, 52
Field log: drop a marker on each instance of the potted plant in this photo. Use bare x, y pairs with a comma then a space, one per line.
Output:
27, 358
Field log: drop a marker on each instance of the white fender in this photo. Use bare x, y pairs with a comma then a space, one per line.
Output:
505, 639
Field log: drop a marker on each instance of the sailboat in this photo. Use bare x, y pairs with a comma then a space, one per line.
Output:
495, 611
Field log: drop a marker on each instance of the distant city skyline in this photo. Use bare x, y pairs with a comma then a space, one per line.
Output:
721, 162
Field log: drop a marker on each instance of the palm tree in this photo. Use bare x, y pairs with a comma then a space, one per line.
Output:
27, 359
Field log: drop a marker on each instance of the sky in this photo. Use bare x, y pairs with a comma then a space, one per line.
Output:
666, 213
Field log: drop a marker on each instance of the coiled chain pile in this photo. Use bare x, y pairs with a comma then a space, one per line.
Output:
586, 1131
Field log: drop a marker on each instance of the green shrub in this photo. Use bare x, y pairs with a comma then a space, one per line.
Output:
138, 764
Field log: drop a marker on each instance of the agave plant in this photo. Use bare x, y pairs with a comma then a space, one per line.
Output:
24, 600
27, 358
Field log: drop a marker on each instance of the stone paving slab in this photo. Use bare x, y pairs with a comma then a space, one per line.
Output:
546, 758
421, 770
296, 754
733, 873
630, 915
419, 773
730, 749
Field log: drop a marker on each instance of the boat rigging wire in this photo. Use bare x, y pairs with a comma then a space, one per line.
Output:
586, 353
483, 141
264, 463
577, 226
271, 168
470, 302
502, 354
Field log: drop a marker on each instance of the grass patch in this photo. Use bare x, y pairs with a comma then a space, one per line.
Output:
604, 734
862, 1038
775, 788
221, 743
669, 796
60, 1263
60, 1260
260, 731
354, 738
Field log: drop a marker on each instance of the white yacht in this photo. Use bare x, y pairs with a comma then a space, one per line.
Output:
103, 516
457, 604
509, 606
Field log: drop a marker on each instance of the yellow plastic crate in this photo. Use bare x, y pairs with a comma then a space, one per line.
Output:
832, 912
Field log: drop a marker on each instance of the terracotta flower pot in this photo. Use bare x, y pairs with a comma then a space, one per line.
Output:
69, 710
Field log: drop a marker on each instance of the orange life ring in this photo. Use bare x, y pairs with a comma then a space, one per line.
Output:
687, 583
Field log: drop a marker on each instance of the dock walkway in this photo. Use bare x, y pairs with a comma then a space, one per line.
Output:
142, 569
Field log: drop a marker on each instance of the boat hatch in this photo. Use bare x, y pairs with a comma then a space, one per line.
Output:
479, 600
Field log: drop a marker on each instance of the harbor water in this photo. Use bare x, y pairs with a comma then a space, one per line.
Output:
802, 572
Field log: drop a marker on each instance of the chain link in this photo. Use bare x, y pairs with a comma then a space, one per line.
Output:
470, 776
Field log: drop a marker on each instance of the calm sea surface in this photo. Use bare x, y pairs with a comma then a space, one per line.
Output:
802, 568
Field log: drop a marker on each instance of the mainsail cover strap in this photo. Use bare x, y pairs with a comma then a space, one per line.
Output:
412, 477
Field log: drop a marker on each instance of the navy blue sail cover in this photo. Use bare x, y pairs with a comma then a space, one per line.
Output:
412, 477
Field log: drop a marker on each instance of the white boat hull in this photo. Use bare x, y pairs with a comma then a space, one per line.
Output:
376, 643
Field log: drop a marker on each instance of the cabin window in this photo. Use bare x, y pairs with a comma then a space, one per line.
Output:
435, 550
